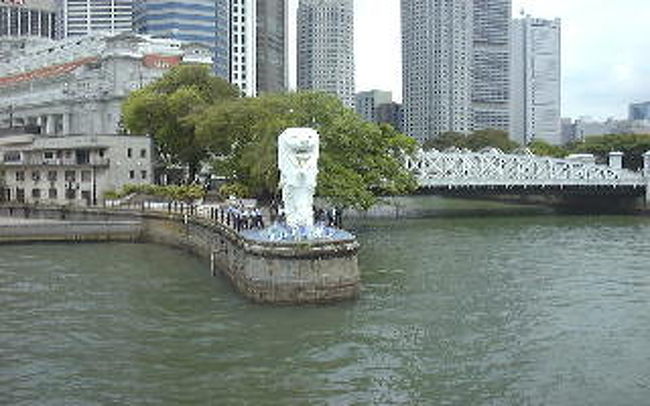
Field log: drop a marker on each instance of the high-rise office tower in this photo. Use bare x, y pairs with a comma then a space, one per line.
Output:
272, 46
455, 66
491, 70
199, 21
222, 44
639, 111
243, 46
81, 17
535, 89
390, 113
326, 47
437, 66
366, 103
28, 18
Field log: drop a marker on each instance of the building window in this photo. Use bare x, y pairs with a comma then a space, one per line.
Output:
143, 153
20, 195
85, 176
20, 176
143, 174
36, 176
129, 152
48, 154
12, 156
51, 176
131, 174
36, 193
52, 193
70, 176
70, 194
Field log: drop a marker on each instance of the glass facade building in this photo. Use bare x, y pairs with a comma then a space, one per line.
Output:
639, 111
272, 35
201, 21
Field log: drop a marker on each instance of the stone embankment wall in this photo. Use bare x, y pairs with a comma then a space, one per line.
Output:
265, 272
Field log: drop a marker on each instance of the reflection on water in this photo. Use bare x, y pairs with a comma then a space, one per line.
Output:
461, 311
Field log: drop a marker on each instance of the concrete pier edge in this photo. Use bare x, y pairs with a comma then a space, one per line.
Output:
264, 272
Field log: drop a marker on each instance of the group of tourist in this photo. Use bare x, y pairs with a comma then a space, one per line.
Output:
330, 217
240, 217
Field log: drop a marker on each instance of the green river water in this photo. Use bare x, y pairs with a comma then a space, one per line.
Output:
458, 310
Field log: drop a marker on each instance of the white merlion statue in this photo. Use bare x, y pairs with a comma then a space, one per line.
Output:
298, 165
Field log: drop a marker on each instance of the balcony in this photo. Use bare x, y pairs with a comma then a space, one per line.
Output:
40, 161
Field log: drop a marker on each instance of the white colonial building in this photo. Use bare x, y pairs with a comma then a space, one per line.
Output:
77, 85
73, 170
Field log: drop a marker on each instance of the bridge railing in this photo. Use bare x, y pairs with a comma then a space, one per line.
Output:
494, 168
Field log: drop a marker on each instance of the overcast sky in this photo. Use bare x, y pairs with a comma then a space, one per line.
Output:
605, 51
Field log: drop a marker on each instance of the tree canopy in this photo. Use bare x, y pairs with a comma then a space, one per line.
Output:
543, 148
633, 146
358, 161
474, 142
164, 110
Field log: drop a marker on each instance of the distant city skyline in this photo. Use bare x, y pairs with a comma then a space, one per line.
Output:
604, 50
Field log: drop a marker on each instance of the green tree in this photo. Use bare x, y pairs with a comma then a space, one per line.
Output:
490, 138
445, 140
164, 110
358, 160
633, 147
543, 148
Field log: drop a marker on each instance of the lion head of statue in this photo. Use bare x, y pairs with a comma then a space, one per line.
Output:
298, 150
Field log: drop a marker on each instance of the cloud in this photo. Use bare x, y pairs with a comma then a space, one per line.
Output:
378, 46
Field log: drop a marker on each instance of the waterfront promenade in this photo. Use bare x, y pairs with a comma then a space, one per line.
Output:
17, 230
265, 271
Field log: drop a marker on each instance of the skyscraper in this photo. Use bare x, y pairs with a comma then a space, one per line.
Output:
390, 113
27, 18
243, 45
199, 21
437, 66
639, 111
491, 70
222, 44
535, 90
455, 65
272, 49
366, 103
326, 47
81, 17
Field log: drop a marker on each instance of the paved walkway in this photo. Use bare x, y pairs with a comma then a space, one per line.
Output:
18, 221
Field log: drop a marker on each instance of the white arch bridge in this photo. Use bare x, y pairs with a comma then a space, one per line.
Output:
491, 171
